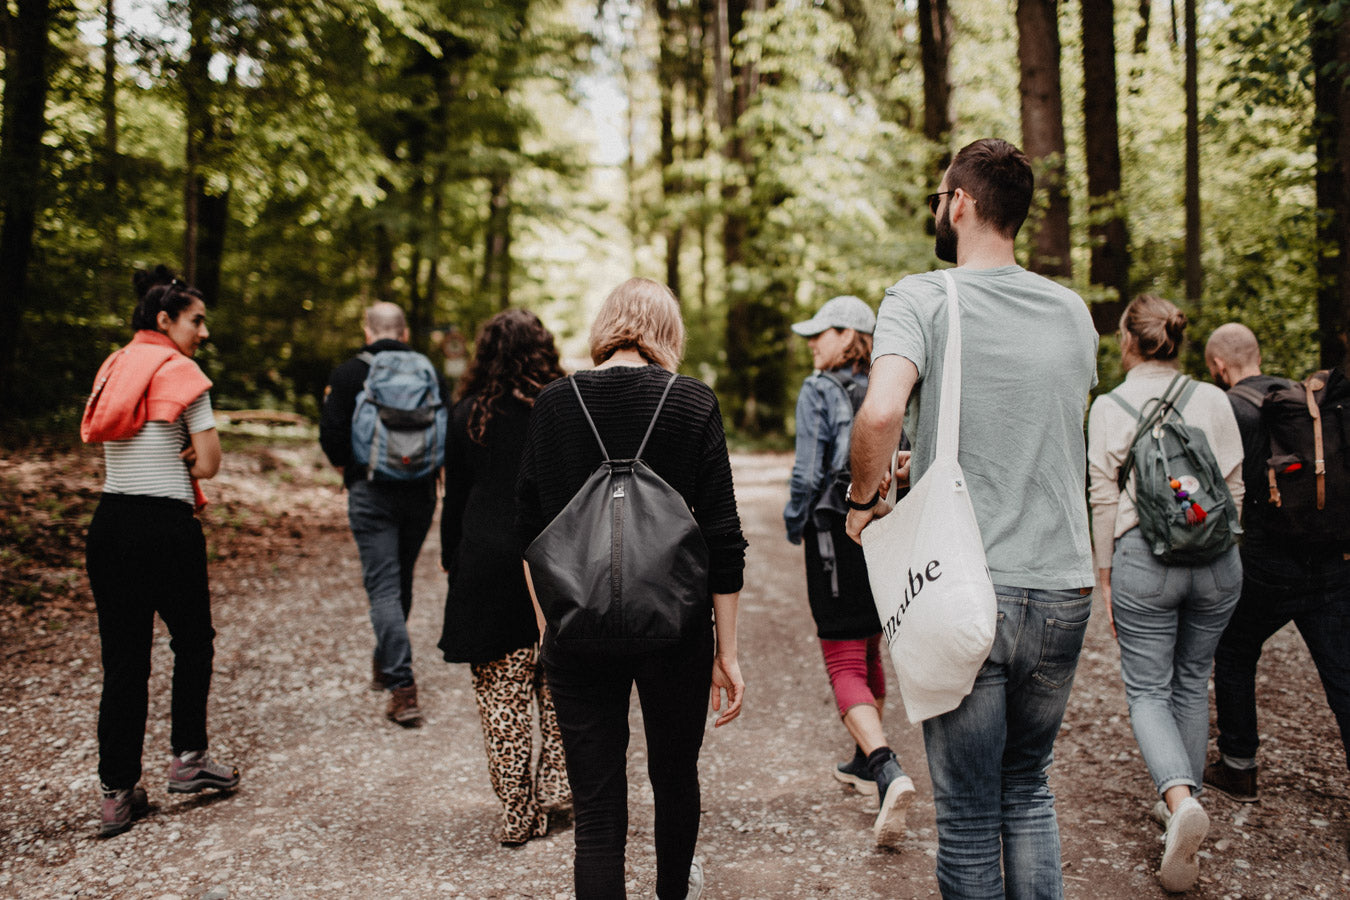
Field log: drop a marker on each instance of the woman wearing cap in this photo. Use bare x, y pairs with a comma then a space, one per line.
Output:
840, 338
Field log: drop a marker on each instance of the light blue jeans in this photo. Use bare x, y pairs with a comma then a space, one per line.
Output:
1168, 622
989, 756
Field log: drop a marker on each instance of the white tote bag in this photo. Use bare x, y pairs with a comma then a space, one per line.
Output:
926, 563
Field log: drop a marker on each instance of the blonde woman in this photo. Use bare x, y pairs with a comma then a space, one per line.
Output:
636, 342
1167, 618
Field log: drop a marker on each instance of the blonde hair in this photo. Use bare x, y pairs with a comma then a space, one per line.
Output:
641, 315
1157, 326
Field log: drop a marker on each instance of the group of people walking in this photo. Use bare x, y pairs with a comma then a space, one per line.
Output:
521, 439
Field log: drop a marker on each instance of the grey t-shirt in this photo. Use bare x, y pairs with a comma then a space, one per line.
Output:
1028, 361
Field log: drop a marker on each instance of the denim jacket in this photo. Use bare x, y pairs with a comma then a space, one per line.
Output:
824, 426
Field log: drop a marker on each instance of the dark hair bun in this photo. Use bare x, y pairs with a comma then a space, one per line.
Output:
145, 279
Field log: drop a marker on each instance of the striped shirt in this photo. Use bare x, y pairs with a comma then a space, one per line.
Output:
148, 465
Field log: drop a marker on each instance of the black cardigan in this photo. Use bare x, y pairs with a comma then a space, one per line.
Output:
688, 449
487, 608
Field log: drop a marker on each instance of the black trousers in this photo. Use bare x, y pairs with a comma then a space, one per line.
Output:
147, 555
590, 693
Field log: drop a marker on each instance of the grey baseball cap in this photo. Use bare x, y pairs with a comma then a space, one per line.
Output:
846, 311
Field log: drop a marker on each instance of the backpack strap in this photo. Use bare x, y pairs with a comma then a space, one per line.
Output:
1154, 411
650, 426
848, 386
1250, 394
587, 413
366, 357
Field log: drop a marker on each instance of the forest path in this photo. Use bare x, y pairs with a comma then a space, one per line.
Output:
337, 802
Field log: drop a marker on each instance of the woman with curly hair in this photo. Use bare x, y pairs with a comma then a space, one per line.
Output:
489, 621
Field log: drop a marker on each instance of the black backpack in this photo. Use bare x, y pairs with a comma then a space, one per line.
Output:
624, 567
1308, 470
1186, 513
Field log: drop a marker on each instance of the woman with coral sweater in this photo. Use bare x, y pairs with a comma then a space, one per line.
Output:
145, 552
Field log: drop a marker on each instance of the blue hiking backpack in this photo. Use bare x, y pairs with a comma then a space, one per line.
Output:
400, 422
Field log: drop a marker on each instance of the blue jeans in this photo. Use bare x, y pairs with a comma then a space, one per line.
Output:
1168, 623
389, 521
1310, 589
988, 757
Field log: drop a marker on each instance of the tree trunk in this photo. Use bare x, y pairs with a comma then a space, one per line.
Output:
1043, 133
667, 75
27, 48
111, 216
1107, 230
935, 29
1194, 272
496, 281
1331, 61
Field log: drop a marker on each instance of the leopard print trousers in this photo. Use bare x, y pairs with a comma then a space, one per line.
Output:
504, 689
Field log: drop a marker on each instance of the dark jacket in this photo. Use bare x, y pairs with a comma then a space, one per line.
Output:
339, 404
488, 613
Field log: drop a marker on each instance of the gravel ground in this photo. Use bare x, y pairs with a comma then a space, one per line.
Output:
337, 802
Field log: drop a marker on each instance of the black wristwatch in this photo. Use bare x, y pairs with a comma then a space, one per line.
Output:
854, 504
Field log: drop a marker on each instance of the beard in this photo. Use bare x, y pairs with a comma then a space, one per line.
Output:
944, 242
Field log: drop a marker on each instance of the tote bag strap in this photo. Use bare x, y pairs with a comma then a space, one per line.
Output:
949, 411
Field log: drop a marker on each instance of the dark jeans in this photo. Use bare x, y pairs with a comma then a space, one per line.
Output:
1310, 589
147, 555
590, 693
389, 521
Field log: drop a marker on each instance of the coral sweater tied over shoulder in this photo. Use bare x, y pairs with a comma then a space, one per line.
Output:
149, 378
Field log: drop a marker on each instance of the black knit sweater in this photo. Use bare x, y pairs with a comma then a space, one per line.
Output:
688, 449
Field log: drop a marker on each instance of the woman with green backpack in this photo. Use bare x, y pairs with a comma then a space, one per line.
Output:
1165, 465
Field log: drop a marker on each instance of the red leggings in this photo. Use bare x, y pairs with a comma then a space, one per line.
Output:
855, 671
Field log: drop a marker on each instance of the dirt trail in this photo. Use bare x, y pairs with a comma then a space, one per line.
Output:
336, 802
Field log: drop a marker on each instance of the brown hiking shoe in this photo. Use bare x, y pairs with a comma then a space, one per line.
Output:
1235, 784
403, 706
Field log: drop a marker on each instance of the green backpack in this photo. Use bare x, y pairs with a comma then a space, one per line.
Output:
1186, 513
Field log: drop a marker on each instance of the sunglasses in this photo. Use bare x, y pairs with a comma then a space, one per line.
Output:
935, 199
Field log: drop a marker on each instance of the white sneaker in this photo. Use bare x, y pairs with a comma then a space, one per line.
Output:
1160, 814
1186, 831
695, 881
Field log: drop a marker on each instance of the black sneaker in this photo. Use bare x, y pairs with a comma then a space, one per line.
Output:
120, 808
856, 774
195, 771
1235, 784
896, 790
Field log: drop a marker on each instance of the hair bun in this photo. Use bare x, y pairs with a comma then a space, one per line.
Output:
145, 279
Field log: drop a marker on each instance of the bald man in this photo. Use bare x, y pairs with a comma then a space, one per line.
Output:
389, 519
1282, 582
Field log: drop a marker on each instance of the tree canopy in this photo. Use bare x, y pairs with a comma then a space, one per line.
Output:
299, 160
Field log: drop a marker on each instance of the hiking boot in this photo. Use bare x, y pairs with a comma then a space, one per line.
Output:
896, 791
1186, 831
119, 808
856, 774
1235, 784
403, 707
195, 771
378, 680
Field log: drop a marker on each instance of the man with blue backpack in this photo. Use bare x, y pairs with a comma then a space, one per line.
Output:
383, 426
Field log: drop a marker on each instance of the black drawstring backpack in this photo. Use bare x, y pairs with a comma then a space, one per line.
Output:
624, 567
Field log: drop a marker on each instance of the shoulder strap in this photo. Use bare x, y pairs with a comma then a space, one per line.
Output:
587, 413
367, 357
1154, 411
848, 388
650, 426
1250, 394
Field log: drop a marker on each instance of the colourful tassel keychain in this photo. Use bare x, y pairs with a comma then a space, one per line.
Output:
1195, 513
